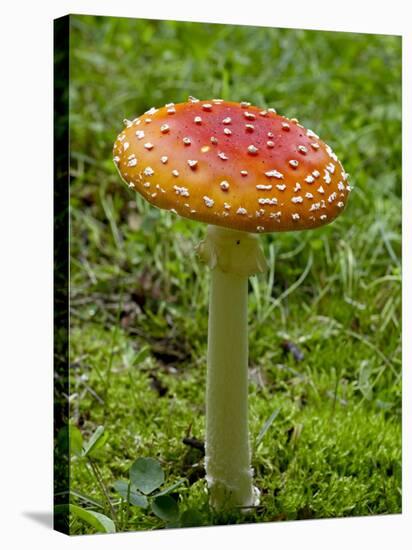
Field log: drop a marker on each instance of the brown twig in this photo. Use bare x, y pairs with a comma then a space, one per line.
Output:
194, 443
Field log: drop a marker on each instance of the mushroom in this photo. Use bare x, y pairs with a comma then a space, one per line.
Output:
267, 174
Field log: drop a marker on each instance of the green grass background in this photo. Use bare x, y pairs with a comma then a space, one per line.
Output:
139, 294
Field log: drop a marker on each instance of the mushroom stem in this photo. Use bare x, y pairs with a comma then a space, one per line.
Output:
232, 256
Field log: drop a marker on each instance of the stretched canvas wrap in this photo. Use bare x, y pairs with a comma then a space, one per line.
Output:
227, 274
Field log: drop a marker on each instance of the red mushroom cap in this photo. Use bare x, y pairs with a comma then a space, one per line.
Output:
233, 165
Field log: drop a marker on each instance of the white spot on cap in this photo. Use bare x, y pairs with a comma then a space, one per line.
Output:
252, 149
249, 127
227, 131
327, 177
148, 121
270, 135
243, 173
297, 187
224, 185
116, 159
132, 162
263, 113
285, 126
331, 153
268, 201
164, 128
274, 174
222, 155
309, 179
127, 122
227, 120
294, 163
213, 139
207, 106
148, 146
281, 186
297, 199
171, 110
295, 216
182, 191
125, 146
275, 215
271, 110
321, 190
241, 211
193, 99
192, 163
130, 184
164, 159
208, 201
226, 206
323, 217
198, 119
341, 186
332, 197
175, 173
270, 144
187, 140
245, 103
264, 187
308, 195
302, 149
314, 145
310, 133
151, 111
260, 228
148, 171
315, 173
249, 116
340, 204
139, 134
330, 167
146, 184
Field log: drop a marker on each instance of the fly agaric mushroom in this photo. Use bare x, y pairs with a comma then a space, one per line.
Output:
242, 170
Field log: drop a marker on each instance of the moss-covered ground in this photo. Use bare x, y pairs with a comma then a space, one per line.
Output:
325, 320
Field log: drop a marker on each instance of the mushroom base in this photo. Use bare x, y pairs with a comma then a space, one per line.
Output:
232, 256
